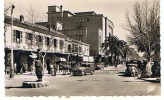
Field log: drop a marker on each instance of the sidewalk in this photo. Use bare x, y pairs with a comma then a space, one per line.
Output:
123, 67
18, 79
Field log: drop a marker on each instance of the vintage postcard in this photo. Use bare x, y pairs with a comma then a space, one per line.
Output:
80, 48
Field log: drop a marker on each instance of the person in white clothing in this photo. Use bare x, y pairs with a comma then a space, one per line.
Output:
148, 69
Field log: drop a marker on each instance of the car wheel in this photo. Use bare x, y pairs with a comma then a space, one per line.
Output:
92, 72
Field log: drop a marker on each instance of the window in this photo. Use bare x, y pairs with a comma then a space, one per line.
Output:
69, 47
80, 49
61, 44
74, 48
39, 39
17, 36
55, 43
29, 38
47, 41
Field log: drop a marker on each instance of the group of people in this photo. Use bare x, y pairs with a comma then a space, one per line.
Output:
58, 66
36, 67
20, 68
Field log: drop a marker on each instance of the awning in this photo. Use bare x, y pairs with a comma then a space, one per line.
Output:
33, 55
62, 59
56, 58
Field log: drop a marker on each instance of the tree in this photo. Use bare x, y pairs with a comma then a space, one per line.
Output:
109, 45
32, 15
114, 47
144, 27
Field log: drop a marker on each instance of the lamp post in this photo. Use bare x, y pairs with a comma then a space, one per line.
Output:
12, 62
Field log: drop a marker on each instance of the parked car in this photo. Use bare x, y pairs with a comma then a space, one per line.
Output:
134, 68
156, 69
83, 69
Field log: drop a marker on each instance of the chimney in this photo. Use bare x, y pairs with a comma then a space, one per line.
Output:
61, 11
21, 18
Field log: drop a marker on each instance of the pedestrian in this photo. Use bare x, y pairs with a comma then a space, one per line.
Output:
15, 67
154, 67
20, 68
133, 71
158, 73
48, 66
148, 69
52, 69
39, 69
64, 68
60, 67
24, 67
116, 62
55, 68
69, 67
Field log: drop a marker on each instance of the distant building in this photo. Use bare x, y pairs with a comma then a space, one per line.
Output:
28, 38
87, 27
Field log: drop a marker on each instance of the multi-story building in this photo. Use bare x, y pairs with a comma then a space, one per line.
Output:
28, 38
87, 27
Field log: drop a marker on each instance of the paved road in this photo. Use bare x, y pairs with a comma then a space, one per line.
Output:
107, 82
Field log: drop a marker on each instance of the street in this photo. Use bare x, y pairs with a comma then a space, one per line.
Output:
107, 82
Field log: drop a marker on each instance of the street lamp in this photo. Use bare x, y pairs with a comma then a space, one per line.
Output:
12, 62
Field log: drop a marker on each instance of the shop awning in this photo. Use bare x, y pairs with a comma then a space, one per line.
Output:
33, 55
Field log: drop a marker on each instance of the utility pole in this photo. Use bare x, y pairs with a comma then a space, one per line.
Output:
86, 32
12, 61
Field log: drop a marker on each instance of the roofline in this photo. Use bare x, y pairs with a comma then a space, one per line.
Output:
43, 28
86, 12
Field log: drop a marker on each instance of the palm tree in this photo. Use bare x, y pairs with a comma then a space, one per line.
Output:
114, 47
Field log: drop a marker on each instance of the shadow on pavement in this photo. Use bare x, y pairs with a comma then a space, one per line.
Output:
10, 87
134, 81
151, 80
123, 74
143, 79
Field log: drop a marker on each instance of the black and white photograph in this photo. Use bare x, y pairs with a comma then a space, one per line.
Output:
68, 48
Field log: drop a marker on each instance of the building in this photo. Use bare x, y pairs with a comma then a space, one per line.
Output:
87, 27
28, 38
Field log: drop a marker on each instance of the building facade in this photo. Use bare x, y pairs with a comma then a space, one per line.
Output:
87, 27
28, 38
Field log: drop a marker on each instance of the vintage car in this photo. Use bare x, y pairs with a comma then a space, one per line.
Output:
134, 68
83, 69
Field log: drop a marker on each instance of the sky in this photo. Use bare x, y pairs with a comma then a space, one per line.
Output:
113, 9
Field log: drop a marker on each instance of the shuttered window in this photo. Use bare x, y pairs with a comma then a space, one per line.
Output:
17, 36
29, 38
47, 41
55, 43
